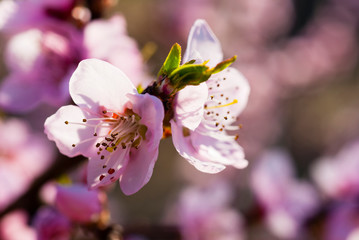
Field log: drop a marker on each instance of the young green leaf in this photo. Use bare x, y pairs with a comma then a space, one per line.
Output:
172, 61
223, 65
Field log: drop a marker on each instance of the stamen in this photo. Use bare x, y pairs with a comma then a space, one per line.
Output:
224, 105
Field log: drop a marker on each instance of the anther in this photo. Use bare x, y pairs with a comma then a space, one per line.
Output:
104, 166
66, 122
102, 157
84, 120
98, 145
73, 145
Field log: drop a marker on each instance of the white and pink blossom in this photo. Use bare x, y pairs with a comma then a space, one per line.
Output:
204, 115
118, 129
287, 201
42, 58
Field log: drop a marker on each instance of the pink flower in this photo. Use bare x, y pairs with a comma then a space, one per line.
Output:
50, 225
20, 15
287, 201
41, 60
13, 226
23, 156
204, 114
117, 128
40, 63
78, 203
205, 213
337, 176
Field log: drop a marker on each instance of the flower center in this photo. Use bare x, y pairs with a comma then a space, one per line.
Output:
114, 130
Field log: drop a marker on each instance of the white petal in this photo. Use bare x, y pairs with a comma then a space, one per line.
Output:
189, 104
97, 84
202, 42
184, 147
229, 89
75, 132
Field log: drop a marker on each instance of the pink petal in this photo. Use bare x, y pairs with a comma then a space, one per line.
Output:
203, 44
96, 83
139, 169
185, 148
75, 132
151, 111
100, 176
189, 104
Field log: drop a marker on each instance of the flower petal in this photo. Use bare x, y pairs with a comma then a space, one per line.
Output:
96, 83
202, 42
75, 132
189, 104
102, 172
184, 147
151, 111
139, 169
230, 89
219, 150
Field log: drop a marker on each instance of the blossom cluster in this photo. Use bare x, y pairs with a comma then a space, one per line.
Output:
104, 137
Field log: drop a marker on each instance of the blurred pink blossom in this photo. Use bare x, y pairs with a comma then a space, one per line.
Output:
337, 176
117, 128
13, 226
41, 60
287, 201
21, 15
23, 157
51, 225
205, 213
78, 203
205, 113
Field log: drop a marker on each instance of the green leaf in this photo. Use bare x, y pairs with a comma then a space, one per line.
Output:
189, 74
172, 61
190, 61
223, 65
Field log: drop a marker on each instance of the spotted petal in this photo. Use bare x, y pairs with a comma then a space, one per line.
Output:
139, 169
65, 135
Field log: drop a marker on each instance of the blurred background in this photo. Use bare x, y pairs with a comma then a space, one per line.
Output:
300, 128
